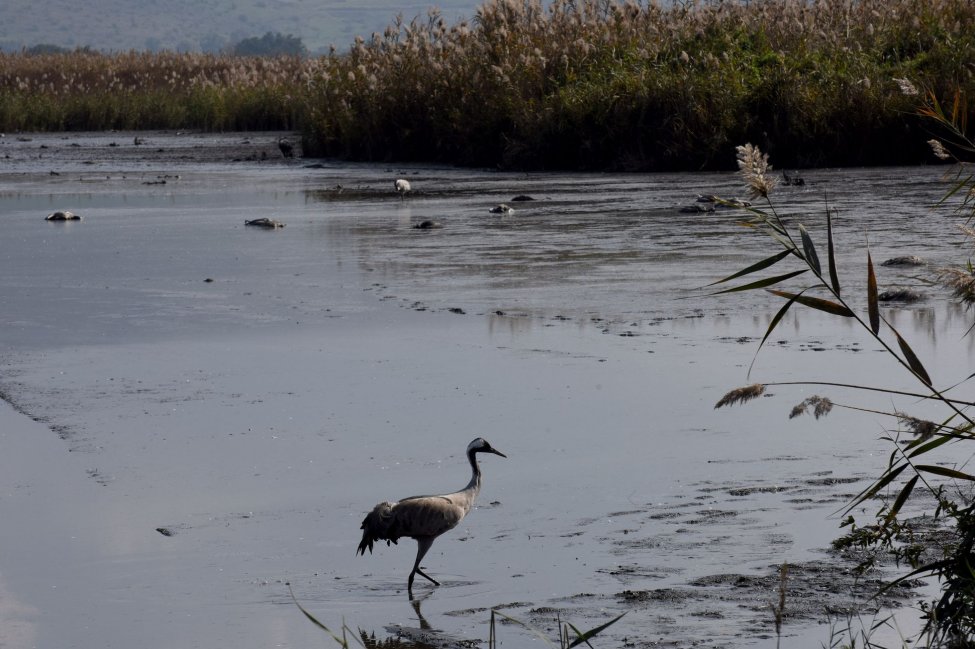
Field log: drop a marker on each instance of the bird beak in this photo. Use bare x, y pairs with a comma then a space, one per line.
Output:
497, 452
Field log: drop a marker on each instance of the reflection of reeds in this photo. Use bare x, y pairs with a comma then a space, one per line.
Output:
778, 608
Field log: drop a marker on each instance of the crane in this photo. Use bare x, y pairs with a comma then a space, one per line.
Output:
424, 518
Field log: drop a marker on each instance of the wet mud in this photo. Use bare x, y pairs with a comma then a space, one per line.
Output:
238, 399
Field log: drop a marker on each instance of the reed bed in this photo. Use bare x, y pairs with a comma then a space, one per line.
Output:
631, 85
584, 84
87, 90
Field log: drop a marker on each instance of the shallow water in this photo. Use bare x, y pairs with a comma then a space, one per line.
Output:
255, 392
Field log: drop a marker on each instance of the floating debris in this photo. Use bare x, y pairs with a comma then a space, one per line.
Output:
265, 223
428, 225
909, 260
63, 216
522, 197
503, 208
165, 531
795, 181
906, 295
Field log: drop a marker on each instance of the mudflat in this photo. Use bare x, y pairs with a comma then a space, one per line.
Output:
198, 413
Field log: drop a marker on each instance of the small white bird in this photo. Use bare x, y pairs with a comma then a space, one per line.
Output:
402, 186
424, 518
503, 208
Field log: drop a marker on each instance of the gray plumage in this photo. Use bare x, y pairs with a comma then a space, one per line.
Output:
424, 518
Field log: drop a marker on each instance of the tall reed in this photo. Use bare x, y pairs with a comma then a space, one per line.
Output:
588, 84
87, 90
601, 83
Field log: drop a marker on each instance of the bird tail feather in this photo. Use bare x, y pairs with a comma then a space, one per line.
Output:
376, 527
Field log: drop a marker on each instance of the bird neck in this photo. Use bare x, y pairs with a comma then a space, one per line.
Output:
474, 486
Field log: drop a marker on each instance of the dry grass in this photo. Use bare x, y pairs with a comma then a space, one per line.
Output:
135, 90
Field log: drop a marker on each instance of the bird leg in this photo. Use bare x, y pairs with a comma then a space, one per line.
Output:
422, 546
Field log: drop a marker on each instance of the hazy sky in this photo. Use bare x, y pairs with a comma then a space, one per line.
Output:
203, 24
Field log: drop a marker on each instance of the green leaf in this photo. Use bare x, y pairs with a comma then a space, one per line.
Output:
873, 308
901, 499
945, 471
834, 308
775, 321
872, 491
315, 621
529, 627
831, 261
809, 250
762, 283
765, 263
963, 183
912, 358
590, 633
928, 446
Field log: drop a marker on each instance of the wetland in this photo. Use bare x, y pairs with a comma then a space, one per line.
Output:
197, 413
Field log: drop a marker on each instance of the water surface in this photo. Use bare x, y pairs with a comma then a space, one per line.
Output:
255, 392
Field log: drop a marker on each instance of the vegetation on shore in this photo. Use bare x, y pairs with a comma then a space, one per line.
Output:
585, 84
90, 91
926, 469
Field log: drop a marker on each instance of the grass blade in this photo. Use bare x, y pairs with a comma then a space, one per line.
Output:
873, 305
873, 490
928, 446
768, 332
314, 620
530, 628
762, 283
945, 472
584, 637
912, 358
765, 263
809, 250
818, 303
831, 255
901, 499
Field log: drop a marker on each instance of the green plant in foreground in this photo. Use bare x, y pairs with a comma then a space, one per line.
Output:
566, 641
947, 552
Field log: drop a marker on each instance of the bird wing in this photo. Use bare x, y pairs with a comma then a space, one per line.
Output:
416, 517
426, 516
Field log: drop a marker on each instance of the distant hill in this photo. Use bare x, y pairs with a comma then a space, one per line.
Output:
203, 25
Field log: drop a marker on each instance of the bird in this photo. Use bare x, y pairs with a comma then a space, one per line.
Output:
287, 148
424, 518
503, 208
402, 186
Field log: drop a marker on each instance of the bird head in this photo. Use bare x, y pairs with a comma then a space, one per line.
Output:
480, 445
